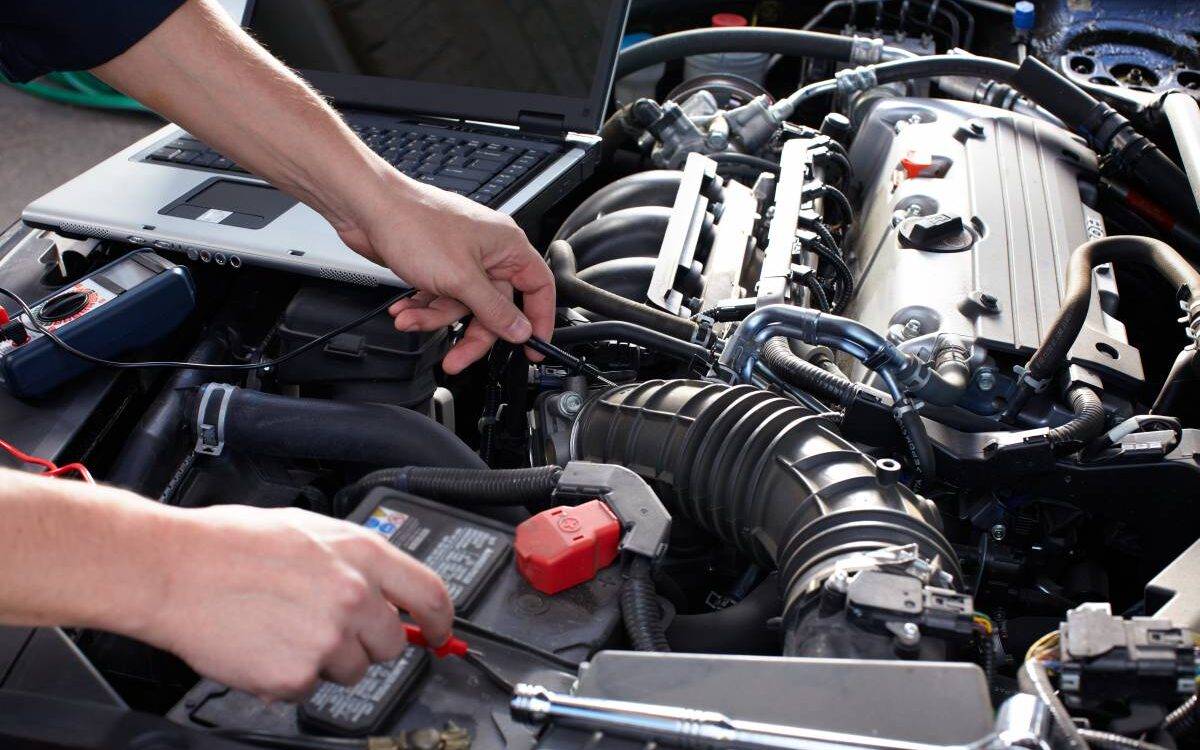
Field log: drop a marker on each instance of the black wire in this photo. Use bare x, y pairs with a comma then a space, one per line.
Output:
37, 325
290, 742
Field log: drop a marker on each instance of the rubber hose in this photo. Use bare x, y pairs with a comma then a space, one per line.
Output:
1087, 424
741, 628
749, 161
770, 478
640, 610
777, 355
1160, 256
626, 233
630, 277
654, 188
787, 42
468, 487
1182, 720
1113, 741
143, 465
573, 291
1032, 679
619, 330
916, 441
309, 428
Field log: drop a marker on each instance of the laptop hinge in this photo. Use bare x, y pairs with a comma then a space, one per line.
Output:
542, 123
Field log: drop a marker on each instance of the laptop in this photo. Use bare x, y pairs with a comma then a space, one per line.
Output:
497, 100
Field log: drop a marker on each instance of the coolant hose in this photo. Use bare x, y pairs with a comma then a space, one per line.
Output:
654, 188
466, 487
773, 479
787, 42
310, 428
619, 330
143, 465
573, 291
1085, 426
1052, 353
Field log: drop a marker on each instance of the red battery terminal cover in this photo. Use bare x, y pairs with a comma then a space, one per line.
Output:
565, 546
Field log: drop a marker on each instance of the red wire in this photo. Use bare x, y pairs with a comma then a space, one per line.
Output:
48, 467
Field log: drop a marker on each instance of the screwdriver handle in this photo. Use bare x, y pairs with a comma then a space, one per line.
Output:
452, 647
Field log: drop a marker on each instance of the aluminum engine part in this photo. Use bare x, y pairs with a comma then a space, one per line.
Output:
969, 216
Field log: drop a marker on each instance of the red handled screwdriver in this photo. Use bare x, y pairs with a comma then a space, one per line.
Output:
458, 647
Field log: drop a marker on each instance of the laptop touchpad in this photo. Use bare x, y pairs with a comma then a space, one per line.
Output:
232, 203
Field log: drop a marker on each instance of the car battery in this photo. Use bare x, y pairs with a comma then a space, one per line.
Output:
521, 632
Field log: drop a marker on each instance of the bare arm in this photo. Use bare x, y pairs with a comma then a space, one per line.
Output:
203, 72
264, 600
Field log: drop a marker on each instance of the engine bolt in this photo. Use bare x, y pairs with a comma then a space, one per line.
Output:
998, 532
986, 380
569, 404
909, 635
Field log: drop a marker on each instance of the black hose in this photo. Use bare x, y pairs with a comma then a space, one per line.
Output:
573, 291
841, 272
1077, 297
820, 298
144, 465
653, 188
916, 440
839, 198
742, 628
625, 233
788, 42
466, 487
1085, 426
640, 609
1073, 308
777, 355
308, 428
619, 330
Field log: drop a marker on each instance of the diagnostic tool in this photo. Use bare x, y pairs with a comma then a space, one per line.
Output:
128, 304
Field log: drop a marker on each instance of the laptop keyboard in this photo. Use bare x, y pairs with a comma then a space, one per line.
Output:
485, 170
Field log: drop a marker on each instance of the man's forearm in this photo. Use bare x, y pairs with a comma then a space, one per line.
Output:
79, 555
246, 104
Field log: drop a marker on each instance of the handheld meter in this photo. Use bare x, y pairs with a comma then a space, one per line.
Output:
128, 304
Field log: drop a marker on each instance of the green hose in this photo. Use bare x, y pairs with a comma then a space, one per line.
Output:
79, 89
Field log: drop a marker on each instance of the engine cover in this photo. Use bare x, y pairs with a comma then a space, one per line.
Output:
969, 216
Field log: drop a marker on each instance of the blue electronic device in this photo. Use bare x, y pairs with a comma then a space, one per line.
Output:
128, 304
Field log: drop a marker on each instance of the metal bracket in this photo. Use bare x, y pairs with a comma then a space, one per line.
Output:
678, 247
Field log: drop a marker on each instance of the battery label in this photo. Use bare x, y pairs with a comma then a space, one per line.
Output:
463, 553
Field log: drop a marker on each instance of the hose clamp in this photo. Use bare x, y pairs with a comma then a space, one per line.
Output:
865, 50
1026, 380
853, 80
210, 418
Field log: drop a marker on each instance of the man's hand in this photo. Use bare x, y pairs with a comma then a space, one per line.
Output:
464, 258
267, 601
270, 601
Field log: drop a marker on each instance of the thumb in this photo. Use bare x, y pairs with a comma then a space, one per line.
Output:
494, 308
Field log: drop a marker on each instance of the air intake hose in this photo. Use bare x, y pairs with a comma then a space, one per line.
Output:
771, 478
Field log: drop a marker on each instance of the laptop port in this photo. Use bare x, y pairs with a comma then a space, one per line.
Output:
235, 262
205, 256
219, 258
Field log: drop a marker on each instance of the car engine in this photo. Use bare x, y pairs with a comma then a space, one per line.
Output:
869, 421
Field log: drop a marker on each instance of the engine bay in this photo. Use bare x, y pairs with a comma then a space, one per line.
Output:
869, 420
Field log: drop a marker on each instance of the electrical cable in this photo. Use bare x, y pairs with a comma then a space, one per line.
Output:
37, 325
48, 467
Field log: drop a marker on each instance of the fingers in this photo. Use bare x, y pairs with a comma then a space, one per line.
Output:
347, 664
417, 590
493, 307
536, 284
382, 636
475, 343
438, 313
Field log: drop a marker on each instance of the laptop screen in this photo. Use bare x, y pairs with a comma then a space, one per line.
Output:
529, 53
